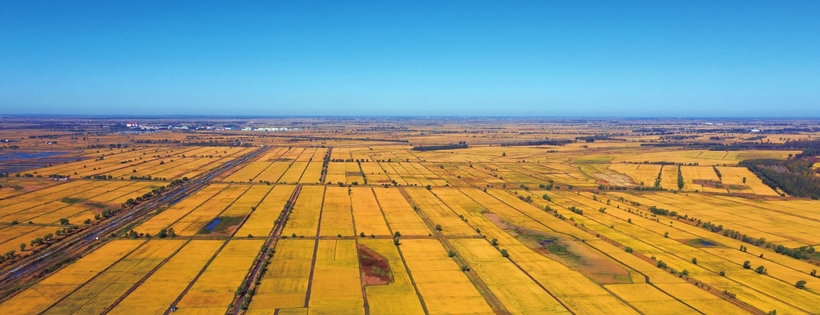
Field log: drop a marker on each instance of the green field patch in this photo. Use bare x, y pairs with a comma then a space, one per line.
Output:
71, 201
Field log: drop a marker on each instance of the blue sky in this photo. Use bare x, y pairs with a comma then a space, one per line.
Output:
459, 58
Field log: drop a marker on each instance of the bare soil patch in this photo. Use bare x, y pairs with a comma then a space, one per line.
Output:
570, 253
496, 220
375, 268
614, 179
708, 183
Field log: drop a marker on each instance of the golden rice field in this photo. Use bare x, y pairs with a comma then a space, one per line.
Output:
501, 227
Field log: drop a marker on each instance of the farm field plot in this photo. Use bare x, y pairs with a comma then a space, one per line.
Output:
520, 294
337, 217
261, 221
249, 172
703, 157
677, 256
669, 177
741, 180
374, 173
367, 215
443, 286
641, 174
294, 173
159, 291
79, 202
285, 285
307, 155
439, 213
167, 217
394, 175
573, 288
397, 296
12, 186
702, 178
292, 154
304, 220
399, 214
102, 291
782, 229
191, 223
214, 290
313, 173
335, 172
273, 154
46, 292
336, 285
273, 173
353, 174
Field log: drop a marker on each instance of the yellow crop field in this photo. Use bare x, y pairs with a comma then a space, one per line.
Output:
101, 292
159, 291
367, 215
648, 299
399, 214
177, 211
200, 216
42, 295
744, 179
398, 296
439, 213
641, 174
304, 219
294, 173
273, 172
420, 215
693, 174
285, 284
337, 218
306, 155
374, 173
335, 172
249, 172
214, 289
273, 154
336, 286
443, 286
313, 173
519, 293
353, 174
391, 173
261, 220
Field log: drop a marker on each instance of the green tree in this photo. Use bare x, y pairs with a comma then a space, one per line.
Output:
747, 265
801, 284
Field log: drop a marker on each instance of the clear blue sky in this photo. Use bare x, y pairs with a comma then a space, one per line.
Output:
541, 58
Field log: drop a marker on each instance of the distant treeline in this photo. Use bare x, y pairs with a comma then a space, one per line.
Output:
793, 176
536, 142
789, 145
460, 145
596, 137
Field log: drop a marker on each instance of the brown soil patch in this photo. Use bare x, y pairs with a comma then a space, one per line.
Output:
375, 268
575, 255
496, 220
614, 179
708, 183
